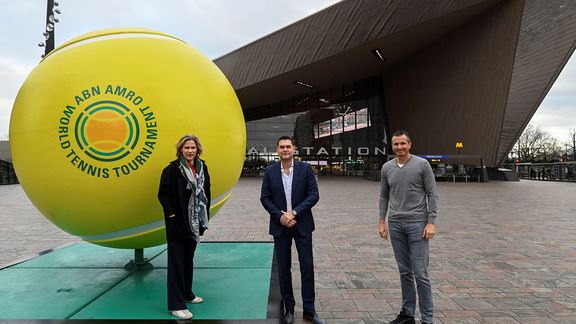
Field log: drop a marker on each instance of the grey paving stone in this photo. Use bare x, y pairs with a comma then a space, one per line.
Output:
507, 303
458, 320
499, 320
344, 321
473, 303
498, 314
376, 321
344, 305
350, 315
538, 320
372, 305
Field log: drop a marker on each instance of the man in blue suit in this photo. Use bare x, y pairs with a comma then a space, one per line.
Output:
289, 191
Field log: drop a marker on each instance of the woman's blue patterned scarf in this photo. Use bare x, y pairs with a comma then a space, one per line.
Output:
197, 206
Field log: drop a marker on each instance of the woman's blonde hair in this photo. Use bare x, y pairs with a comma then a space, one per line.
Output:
185, 139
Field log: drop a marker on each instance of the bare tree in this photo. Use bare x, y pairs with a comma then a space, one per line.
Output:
573, 144
535, 145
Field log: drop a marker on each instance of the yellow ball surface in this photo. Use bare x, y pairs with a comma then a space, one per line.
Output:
96, 121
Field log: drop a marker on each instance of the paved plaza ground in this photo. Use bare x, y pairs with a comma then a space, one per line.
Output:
505, 252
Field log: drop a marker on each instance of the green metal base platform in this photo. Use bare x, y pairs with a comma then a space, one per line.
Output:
89, 282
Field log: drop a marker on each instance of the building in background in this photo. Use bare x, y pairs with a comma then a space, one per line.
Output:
7, 174
463, 77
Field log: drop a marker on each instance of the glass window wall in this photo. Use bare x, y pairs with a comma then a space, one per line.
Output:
339, 131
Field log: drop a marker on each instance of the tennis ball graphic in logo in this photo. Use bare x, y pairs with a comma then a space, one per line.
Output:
96, 121
106, 132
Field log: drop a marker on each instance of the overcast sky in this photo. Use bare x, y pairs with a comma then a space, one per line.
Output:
215, 27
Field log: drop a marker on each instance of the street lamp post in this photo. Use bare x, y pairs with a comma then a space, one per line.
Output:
514, 167
51, 20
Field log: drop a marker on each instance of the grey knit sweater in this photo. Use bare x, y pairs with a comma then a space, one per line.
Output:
408, 194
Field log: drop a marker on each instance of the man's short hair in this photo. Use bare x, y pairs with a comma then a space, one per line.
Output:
285, 137
400, 133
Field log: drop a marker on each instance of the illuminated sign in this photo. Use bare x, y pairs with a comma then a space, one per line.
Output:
334, 150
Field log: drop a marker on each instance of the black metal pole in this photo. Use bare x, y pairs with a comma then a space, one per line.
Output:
139, 257
50, 30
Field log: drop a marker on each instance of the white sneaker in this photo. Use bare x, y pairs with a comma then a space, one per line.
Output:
182, 314
196, 300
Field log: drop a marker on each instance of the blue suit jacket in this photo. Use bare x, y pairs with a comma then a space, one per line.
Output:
304, 197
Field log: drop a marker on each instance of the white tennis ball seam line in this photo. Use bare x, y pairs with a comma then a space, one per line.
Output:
109, 37
156, 225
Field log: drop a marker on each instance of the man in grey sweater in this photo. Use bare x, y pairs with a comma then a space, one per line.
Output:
408, 197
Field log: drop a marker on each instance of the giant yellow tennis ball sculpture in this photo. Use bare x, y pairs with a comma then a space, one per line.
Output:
96, 121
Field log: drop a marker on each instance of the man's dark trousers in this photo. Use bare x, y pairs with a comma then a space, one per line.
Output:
283, 246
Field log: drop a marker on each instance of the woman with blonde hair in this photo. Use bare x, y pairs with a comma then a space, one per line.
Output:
184, 194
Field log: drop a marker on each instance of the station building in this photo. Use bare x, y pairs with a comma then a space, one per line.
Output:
463, 77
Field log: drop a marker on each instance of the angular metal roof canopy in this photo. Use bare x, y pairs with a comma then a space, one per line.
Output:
334, 46
547, 40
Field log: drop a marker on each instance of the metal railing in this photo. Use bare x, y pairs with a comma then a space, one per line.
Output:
556, 171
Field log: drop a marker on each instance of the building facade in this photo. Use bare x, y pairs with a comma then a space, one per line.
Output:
463, 77
7, 174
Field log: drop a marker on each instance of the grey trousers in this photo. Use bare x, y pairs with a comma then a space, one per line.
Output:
411, 251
